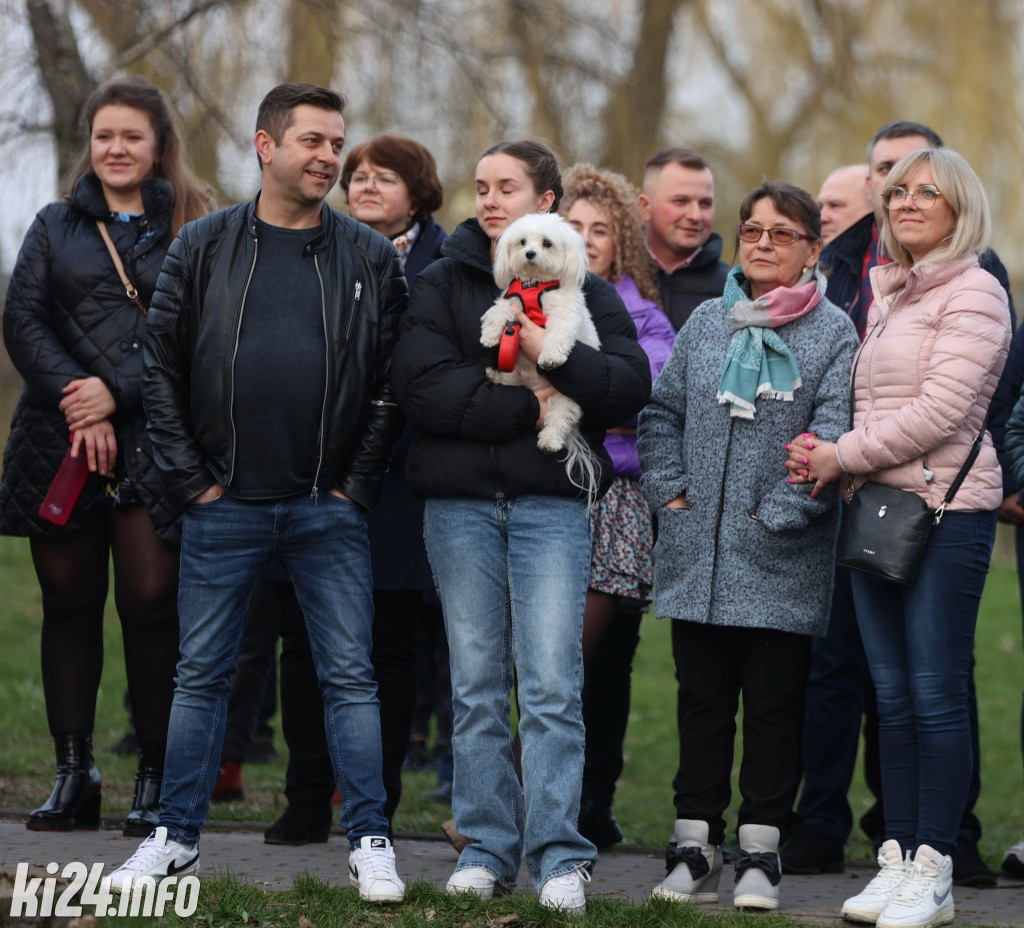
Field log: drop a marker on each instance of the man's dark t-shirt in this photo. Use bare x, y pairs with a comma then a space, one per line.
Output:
280, 370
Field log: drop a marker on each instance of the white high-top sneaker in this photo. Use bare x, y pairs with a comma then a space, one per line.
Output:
757, 867
871, 901
925, 898
1013, 859
694, 866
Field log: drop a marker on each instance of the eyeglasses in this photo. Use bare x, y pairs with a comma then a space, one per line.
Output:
925, 197
360, 179
752, 234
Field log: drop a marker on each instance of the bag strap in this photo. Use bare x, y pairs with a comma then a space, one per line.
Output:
972, 455
129, 287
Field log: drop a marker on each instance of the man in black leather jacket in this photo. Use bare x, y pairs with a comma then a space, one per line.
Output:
267, 384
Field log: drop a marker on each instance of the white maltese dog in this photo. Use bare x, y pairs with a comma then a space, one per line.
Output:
540, 264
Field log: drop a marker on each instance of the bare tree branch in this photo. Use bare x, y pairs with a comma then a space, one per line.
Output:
63, 73
159, 36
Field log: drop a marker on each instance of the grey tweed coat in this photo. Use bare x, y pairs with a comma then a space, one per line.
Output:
752, 550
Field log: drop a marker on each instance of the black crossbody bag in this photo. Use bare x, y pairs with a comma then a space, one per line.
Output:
885, 530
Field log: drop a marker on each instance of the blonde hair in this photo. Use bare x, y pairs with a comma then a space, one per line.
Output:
617, 197
963, 192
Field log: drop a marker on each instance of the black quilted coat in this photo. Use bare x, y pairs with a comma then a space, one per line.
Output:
67, 317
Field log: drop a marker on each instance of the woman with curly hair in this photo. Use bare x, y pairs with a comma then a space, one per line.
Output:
602, 206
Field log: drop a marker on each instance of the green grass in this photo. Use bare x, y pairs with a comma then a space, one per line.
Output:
643, 802
311, 903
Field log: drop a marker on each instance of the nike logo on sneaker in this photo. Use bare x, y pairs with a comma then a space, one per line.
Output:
173, 869
939, 898
378, 842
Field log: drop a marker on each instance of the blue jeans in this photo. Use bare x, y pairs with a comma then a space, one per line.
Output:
226, 544
919, 642
512, 575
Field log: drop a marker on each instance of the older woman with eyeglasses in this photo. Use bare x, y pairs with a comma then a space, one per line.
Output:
744, 557
938, 335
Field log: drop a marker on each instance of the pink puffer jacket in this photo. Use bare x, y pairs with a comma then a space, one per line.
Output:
927, 371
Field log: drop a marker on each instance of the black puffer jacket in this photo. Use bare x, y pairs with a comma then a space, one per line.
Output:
477, 438
67, 317
192, 337
685, 289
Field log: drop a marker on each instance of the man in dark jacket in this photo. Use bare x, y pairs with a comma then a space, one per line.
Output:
267, 383
839, 689
678, 207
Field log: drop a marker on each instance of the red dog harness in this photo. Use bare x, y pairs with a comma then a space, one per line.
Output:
529, 295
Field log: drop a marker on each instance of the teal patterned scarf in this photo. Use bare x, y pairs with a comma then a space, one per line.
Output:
758, 363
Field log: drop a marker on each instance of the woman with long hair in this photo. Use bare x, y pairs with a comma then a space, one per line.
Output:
508, 537
75, 335
602, 206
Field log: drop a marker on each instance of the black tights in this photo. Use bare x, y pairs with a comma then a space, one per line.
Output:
73, 576
611, 633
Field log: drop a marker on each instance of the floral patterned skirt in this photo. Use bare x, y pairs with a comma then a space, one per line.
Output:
622, 542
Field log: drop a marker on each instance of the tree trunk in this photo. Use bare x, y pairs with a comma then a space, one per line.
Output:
63, 73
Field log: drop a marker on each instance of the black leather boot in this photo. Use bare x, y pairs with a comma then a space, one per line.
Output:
75, 800
145, 811
597, 824
301, 824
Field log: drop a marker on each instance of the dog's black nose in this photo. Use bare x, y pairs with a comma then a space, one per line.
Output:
530, 255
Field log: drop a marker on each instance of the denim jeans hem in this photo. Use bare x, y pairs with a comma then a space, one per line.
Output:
587, 865
487, 862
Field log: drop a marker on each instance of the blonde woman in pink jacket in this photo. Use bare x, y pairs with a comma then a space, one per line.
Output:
938, 335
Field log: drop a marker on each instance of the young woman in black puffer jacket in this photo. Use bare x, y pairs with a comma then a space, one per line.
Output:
75, 337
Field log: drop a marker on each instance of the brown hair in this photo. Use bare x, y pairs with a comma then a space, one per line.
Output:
793, 202
192, 199
538, 161
685, 157
617, 197
277, 109
409, 160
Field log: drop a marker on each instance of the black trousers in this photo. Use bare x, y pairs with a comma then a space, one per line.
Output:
714, 664
607, 671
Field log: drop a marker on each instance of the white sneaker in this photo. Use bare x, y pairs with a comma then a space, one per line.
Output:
565, 892
157, 858
1013, 860
925, 897
476, 880
870, 902
371, 867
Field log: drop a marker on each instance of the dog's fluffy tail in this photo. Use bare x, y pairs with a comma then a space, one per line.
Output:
581, 464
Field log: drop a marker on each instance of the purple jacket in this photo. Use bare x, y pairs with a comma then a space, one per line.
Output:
656, 336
